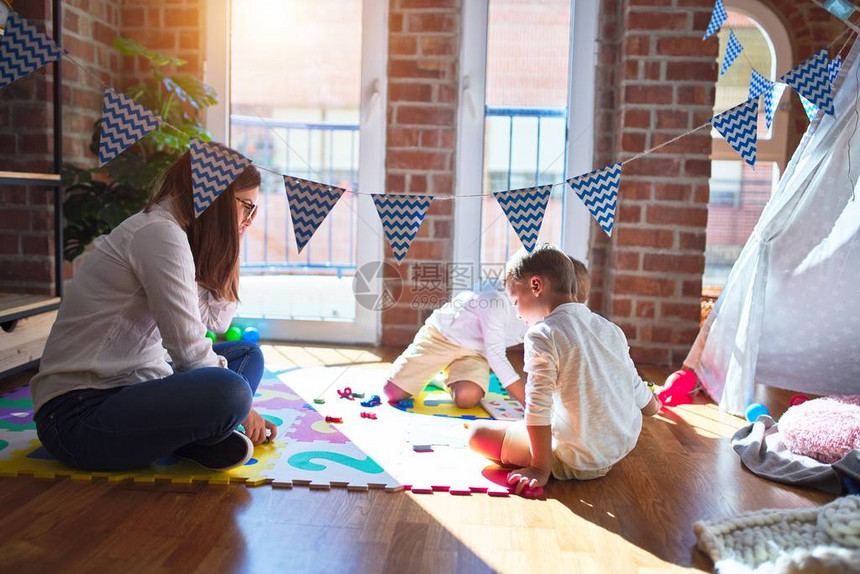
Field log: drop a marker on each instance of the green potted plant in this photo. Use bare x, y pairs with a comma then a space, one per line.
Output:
97, 200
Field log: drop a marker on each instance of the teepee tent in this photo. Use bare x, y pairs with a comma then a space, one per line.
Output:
789, 315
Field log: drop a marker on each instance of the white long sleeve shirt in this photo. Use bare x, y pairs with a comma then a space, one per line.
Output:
486, 322
133, 300
582, 382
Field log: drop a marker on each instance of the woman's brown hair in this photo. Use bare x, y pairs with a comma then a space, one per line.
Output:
214, 236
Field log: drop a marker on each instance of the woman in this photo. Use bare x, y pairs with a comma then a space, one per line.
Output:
106, 397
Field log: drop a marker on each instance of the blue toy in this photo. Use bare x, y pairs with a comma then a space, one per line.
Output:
251, 334
373, 401
755, 410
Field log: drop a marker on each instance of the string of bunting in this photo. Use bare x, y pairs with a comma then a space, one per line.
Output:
24, 49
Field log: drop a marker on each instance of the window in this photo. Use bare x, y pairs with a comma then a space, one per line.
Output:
738, 192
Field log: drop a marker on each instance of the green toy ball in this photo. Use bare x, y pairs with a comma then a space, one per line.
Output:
211, 336
233, 334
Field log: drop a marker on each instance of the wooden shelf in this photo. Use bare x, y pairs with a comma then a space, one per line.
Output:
15, 306
24, 178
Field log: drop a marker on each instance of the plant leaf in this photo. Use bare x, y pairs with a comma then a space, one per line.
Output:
129, 47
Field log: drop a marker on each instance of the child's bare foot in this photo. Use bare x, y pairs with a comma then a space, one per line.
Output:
394, 393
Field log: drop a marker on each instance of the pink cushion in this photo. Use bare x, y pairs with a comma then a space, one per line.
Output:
825, 429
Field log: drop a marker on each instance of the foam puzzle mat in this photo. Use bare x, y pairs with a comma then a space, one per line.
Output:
420, 446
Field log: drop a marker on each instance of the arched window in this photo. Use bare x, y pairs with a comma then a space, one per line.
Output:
738, 192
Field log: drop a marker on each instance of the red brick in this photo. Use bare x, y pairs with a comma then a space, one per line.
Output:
14, 219
402, 45
682, 46
132, 17
395, 183
410, 92
691, 71
433, 250
37, 245
673, 120
431, 22
658, 20
637, 285
671, 192
692, 288
417, 183
645, 309
399, 315
422, 115
429, 139
701, 95
402, 137
684, 216
671, 263
420, 160
179, 17
637, 118
442, 184
627, 260
442, 229
28, 270
692, 241
654, 166
8, 244
415, 69
637, 45
629, 213
438, 46
637, 237
649, 355
648, 94
633, 142
622, 307
428, 4
686, 311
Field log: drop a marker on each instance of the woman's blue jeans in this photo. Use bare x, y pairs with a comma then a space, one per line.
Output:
133, 426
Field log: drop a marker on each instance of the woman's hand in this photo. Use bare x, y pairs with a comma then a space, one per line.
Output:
256, 428
525, 479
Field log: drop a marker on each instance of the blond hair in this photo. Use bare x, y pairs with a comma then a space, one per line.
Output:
582, 286
546, 261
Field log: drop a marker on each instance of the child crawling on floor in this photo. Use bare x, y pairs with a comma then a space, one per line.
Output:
469, 335
584, 398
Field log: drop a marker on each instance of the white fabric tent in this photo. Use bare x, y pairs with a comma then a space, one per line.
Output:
789, 315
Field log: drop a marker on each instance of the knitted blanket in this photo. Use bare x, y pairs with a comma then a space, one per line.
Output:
825, 539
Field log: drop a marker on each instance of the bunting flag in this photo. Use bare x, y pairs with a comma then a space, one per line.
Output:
213, 168
842, 9
811, 79
810, 108
124, 121
733, 50
771, 101
739, 126
525, 209
718, 18
833, 69
23, 50
758, 85
401, 217
598, 190
310, 202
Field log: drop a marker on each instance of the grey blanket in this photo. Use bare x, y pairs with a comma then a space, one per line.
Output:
762, 451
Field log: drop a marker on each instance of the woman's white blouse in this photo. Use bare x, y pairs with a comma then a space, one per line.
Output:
133, 300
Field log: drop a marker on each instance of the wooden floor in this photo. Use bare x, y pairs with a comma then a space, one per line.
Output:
638, 518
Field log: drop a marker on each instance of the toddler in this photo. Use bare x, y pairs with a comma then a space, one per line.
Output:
584, 398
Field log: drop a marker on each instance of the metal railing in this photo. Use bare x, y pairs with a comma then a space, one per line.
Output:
319, 151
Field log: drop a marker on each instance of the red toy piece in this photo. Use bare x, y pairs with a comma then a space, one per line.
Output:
346, 394
798, 399
677, 388
367, 415
334, 419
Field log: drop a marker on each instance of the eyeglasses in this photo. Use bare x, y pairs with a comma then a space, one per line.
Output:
250, 209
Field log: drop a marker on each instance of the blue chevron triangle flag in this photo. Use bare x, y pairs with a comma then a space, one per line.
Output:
401, 217
739, 126
758, 85
834, 67
525, 209
124, 121
598, 190
771, 101
718, 18
23, 50
733, 50
310, 203
811, 79
213, 168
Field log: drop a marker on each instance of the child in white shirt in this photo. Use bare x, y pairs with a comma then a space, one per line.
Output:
468, 335
584, 398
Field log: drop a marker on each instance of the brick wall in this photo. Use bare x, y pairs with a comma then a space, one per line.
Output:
422, 114
648, 276
26, 144
26, 113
